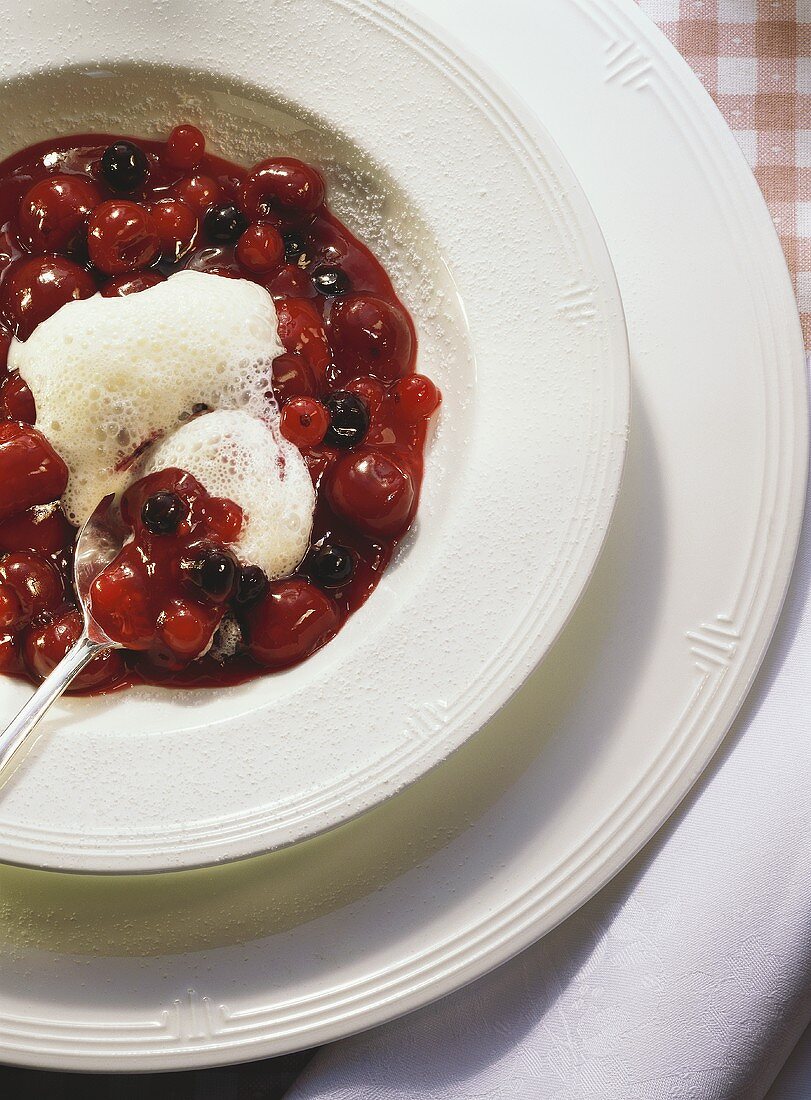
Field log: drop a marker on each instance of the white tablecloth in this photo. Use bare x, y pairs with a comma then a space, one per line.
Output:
687, 978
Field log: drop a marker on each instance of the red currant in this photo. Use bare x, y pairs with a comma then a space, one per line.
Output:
198, 192
374, 491
122, 237
260, 249
185, 147
176, 225
33, 289
304, 421
53, 212
417, 396
301, 330
186, 627
223, 518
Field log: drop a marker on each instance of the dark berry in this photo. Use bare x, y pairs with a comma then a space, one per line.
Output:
124, 167
348, 419
225, 223
331, 565
294, 247
252, 584
213, 571
331, 281
163, 513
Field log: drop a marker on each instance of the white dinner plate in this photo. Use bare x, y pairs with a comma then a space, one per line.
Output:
531, 816
493, 246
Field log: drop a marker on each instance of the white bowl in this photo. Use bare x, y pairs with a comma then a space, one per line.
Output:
492, 245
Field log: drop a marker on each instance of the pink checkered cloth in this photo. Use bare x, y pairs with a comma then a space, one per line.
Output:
754, 58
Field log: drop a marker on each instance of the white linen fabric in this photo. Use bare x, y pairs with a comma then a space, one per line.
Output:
687, 978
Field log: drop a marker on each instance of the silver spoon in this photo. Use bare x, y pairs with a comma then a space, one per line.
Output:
100, 539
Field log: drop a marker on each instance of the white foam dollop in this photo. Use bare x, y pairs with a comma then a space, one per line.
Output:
110, 374
235, 455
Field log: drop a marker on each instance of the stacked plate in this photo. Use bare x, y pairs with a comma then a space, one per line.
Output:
404, 833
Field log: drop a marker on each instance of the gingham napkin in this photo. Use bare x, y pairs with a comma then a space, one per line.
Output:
689, 977
754, 58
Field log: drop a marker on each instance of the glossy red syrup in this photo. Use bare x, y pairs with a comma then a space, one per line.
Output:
68, 230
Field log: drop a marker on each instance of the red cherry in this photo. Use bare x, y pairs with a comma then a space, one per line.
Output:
370, 391
10, 608
291, 621
223, 518
416, 396
301, 330
33, 289
290, 281
292, 377
370, 335
260, 249
122, 237
5, 344
53, 212
31, 472
282, 187
185, 147
43, 530
16, 400
374, 491
9, 654
186, 627
177, 226
122, 285
34, 581
44, 647
198, 192
304, 421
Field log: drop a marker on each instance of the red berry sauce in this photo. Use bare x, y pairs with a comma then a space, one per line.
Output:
89, 213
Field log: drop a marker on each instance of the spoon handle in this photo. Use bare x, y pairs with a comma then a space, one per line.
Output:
49, 690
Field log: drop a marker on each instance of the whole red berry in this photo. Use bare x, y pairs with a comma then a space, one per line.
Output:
304, 421
177, 227
34, 289
291, 621
121, 285
31, 472
284, 188
122, 237
260, 249
198, 192
16, 400
185, 147
374, 491
53, 212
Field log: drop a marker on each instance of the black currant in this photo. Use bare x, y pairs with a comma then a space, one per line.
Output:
163, 513
252, 584
331, 565
225, 223
331, 281
124, 166
348, 419
214, 572
294, 247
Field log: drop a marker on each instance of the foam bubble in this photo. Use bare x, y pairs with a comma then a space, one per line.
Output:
110, 374
235, 455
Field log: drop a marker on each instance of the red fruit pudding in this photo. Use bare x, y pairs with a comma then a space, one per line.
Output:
97, 214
